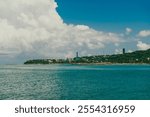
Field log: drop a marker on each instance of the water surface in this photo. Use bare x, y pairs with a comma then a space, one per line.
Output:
68, 82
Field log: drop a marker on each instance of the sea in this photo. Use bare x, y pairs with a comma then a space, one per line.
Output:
74, 82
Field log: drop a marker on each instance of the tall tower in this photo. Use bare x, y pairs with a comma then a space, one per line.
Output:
77, 54
124, 51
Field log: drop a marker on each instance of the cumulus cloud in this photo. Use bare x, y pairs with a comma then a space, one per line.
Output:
130, 51
34, 28
128, 31
143, 46
144, 33
118, 51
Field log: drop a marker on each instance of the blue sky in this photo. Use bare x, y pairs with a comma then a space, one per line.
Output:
109, 15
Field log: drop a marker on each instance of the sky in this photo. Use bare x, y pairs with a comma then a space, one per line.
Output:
104, 11
107, 15
34, 29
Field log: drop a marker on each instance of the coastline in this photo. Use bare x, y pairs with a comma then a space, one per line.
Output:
92, 64
136, 57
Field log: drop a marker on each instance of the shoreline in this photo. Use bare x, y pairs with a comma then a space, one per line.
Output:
92, 64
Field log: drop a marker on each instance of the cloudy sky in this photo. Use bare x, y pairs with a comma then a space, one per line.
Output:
31, 29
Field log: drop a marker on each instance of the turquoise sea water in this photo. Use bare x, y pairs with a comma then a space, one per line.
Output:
67, 82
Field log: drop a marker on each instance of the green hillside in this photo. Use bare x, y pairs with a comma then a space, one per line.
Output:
134, 57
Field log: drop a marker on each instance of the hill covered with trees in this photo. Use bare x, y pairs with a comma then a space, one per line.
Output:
137, 57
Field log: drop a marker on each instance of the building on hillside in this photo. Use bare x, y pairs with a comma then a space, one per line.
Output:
77, 54
124, 51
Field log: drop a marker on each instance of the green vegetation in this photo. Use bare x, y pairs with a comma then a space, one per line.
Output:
134, 57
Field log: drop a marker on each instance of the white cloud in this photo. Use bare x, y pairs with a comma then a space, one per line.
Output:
144, 33
130, 51
33, 27
128, 31
143, 46
82, 27
118, 51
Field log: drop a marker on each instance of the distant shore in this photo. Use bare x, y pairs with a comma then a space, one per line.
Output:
137, 57
110, 63
92, 64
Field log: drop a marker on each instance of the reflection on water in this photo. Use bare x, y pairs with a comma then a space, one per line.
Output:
52, 82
